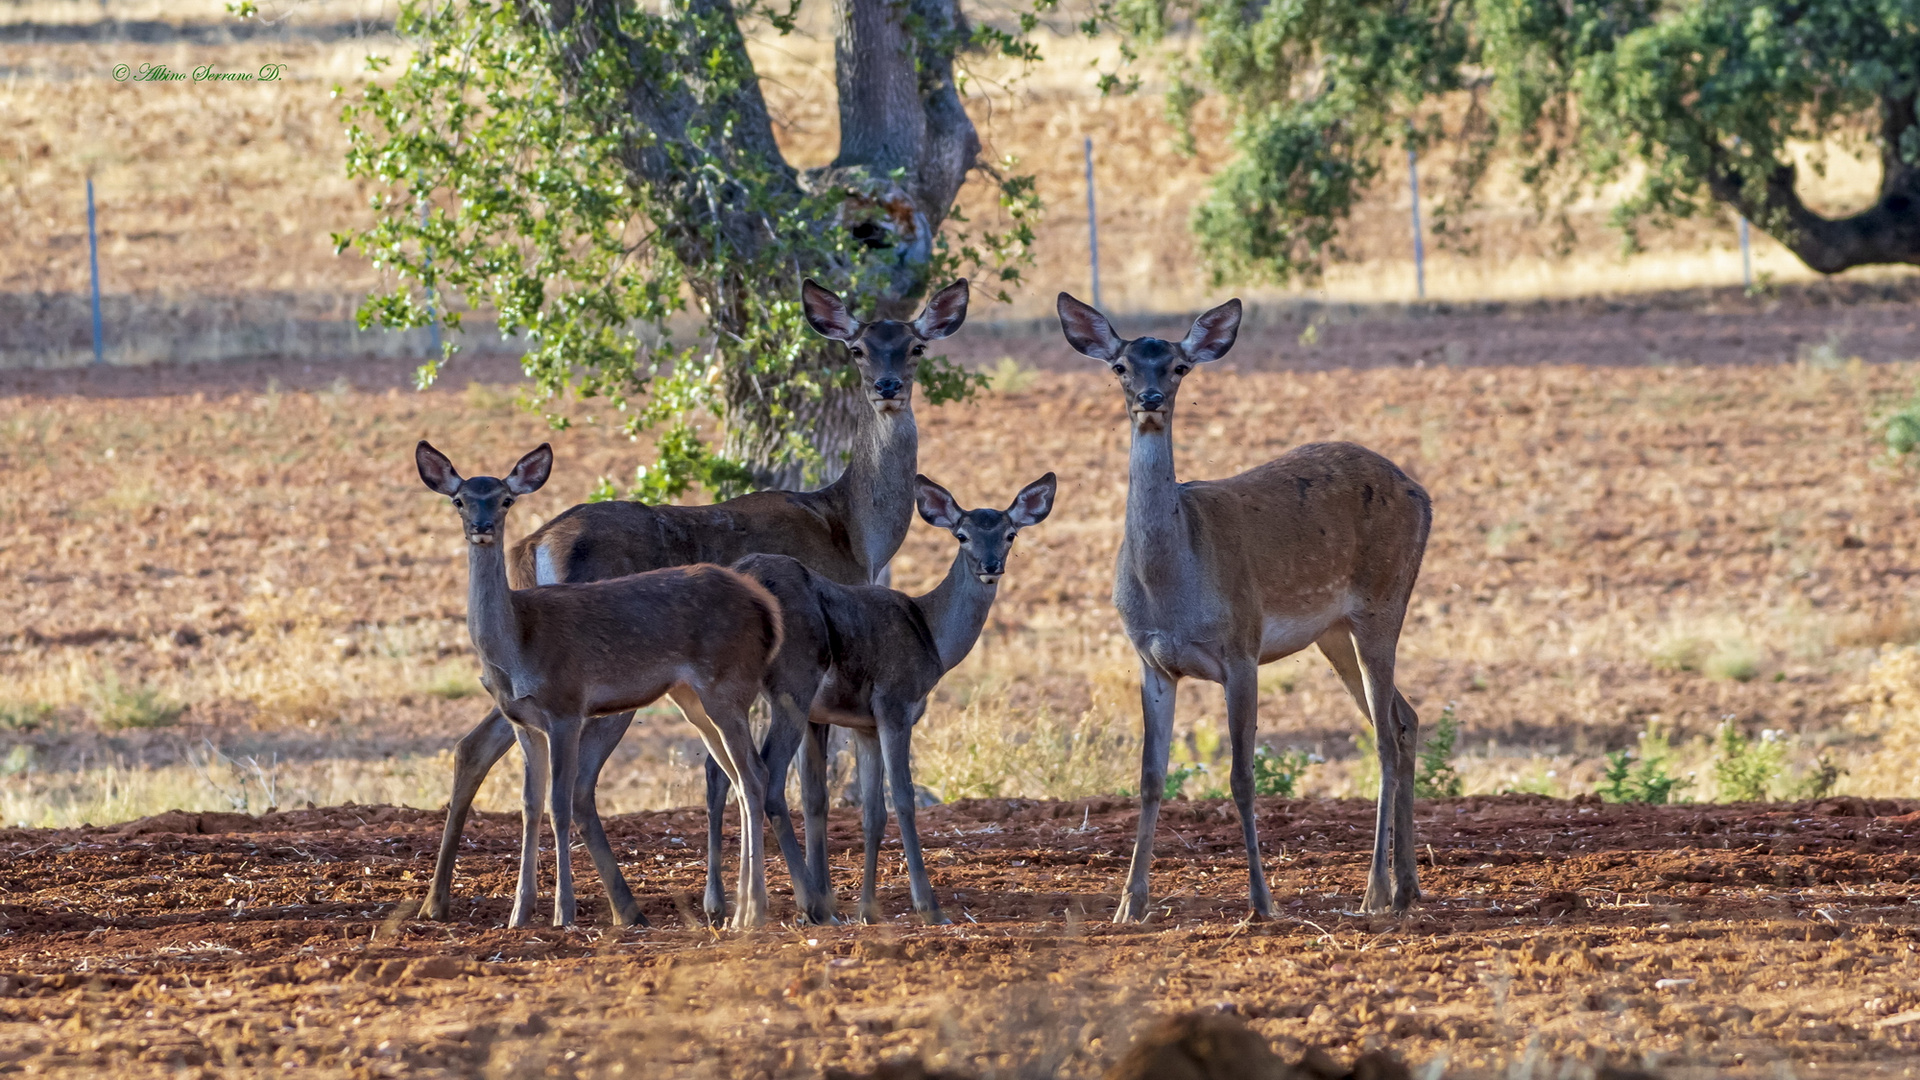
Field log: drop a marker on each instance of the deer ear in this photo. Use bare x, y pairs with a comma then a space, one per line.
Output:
944, 314
1087, 330
1034, 502
1213, 333
937, 505
825, 312
435, 470
531, 471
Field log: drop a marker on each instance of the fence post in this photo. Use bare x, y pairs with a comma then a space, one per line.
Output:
1419, 245
1093, 227
93, 265
1746, 255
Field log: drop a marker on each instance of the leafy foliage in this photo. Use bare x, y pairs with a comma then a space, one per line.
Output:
1278, 772
516, 173
1697, 101
1643, 776
1435, 777
1745, 769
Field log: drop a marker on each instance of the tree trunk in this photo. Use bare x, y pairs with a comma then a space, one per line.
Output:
1887, 232
900, 111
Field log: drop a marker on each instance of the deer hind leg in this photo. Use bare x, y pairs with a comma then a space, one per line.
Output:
784, 736
813, 805
1243, 704
486, 744
1156, 710
1366, 665
533, 751
729, 741
597, 742
719, 790
873, 820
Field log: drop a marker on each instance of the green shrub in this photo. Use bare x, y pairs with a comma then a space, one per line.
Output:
117, 707
1278, 772
1743, 768
24, 716
1435, 776
1177, 778
1643, 777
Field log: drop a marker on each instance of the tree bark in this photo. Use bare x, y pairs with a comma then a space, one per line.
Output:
900, 112
1886, 232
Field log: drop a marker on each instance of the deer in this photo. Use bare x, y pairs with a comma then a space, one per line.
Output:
1320, 546
866, 657
554, 655
847, 531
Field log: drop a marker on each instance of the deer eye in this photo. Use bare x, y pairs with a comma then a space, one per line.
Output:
856, 351
1182, 370
457, 502
919, 350
506, 503
960, 536
1119, 369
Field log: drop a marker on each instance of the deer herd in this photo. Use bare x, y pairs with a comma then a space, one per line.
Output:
777, 595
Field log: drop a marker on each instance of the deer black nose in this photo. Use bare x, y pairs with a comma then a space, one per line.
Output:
1150, 400
889, 387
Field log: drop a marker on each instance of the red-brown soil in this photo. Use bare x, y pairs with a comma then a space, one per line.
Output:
1694, 939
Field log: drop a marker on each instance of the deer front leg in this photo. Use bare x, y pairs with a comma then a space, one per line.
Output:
873, 820
1243, 703
597, 742
719, 790
896, 735
472, 760
533, 751
813, 805
784, 737
563, 739
1156, 710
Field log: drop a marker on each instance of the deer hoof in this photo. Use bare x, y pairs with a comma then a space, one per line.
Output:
935, 917
1133, 908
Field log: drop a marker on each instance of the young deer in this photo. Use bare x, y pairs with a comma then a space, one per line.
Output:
846, 532
1216, 577
554, 655
865, 657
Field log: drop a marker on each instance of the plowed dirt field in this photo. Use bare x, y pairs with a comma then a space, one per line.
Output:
1775, 940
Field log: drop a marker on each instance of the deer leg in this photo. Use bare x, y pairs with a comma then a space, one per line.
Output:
813, 805
896, 736
784, 736
563, 740
1376, 674
729, 741
1156, 710
597, 741
1337, 645
533, 749
1243, 703
719, 789
873, 819
472, 760
1406, 873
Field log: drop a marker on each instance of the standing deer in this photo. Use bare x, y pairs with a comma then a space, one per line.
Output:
554, 655
866, 657
846, 532
1320, 546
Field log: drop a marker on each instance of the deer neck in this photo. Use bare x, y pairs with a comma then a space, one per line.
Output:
1158, 534
877, 488
491, 620
956, 610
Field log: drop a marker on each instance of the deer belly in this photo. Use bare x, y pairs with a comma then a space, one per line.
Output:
1284, 635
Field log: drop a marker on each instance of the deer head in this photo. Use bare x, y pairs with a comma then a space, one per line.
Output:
482, 501
1150, 369
887, 351
986, 536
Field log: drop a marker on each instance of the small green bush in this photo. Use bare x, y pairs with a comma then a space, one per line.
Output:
24, 716
1744, 769
1435, 776
1643, 777
1278, 772
1177, 778
117, 707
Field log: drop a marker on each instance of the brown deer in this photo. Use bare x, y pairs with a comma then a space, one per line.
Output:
846, 532
866, 657
554, 655
1320, 546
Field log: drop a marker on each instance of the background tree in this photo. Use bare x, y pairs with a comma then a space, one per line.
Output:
588, 167
1710, 97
